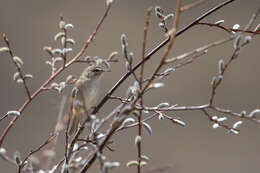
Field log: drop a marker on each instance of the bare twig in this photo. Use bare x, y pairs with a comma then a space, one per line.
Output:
52, 137
200, 49
64, 56
253, 18
215, 121
192, 5
3, 117
18, 67
234, 114
183, 108
137, 123
215, 86
190, 60
147, 23
229, 30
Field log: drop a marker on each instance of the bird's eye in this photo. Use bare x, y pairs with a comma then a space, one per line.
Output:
96, 70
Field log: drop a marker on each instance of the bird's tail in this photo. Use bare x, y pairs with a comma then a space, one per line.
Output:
74, 122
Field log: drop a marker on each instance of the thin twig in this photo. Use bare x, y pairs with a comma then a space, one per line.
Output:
3, 117
214, 87
147, 23
64, 56
192, 5
52, 137
137, 123
234, 114
200, 49
252, 20
215, 121
18, 68
229, 30
190, 60
186, 108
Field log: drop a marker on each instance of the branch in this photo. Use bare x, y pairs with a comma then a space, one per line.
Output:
192, 5
229, 30
200, 49
147, 23
18, 67
52, 137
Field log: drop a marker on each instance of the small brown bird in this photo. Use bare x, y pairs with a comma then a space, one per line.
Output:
86, 94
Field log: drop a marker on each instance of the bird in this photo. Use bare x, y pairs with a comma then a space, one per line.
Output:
85, 94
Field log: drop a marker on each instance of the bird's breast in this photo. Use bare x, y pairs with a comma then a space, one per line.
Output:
91, 91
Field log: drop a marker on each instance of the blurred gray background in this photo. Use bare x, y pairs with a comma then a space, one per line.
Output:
31, 24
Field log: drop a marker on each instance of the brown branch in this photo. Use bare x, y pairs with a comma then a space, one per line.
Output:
137, 123
190, 60
18, 68
195, 108
64, 56
182, 108
230, 112
214, 87
139, 149
215, 121
192, 5
229, 30
200, 49
175, 108
52, 137
253, 18
3, 117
